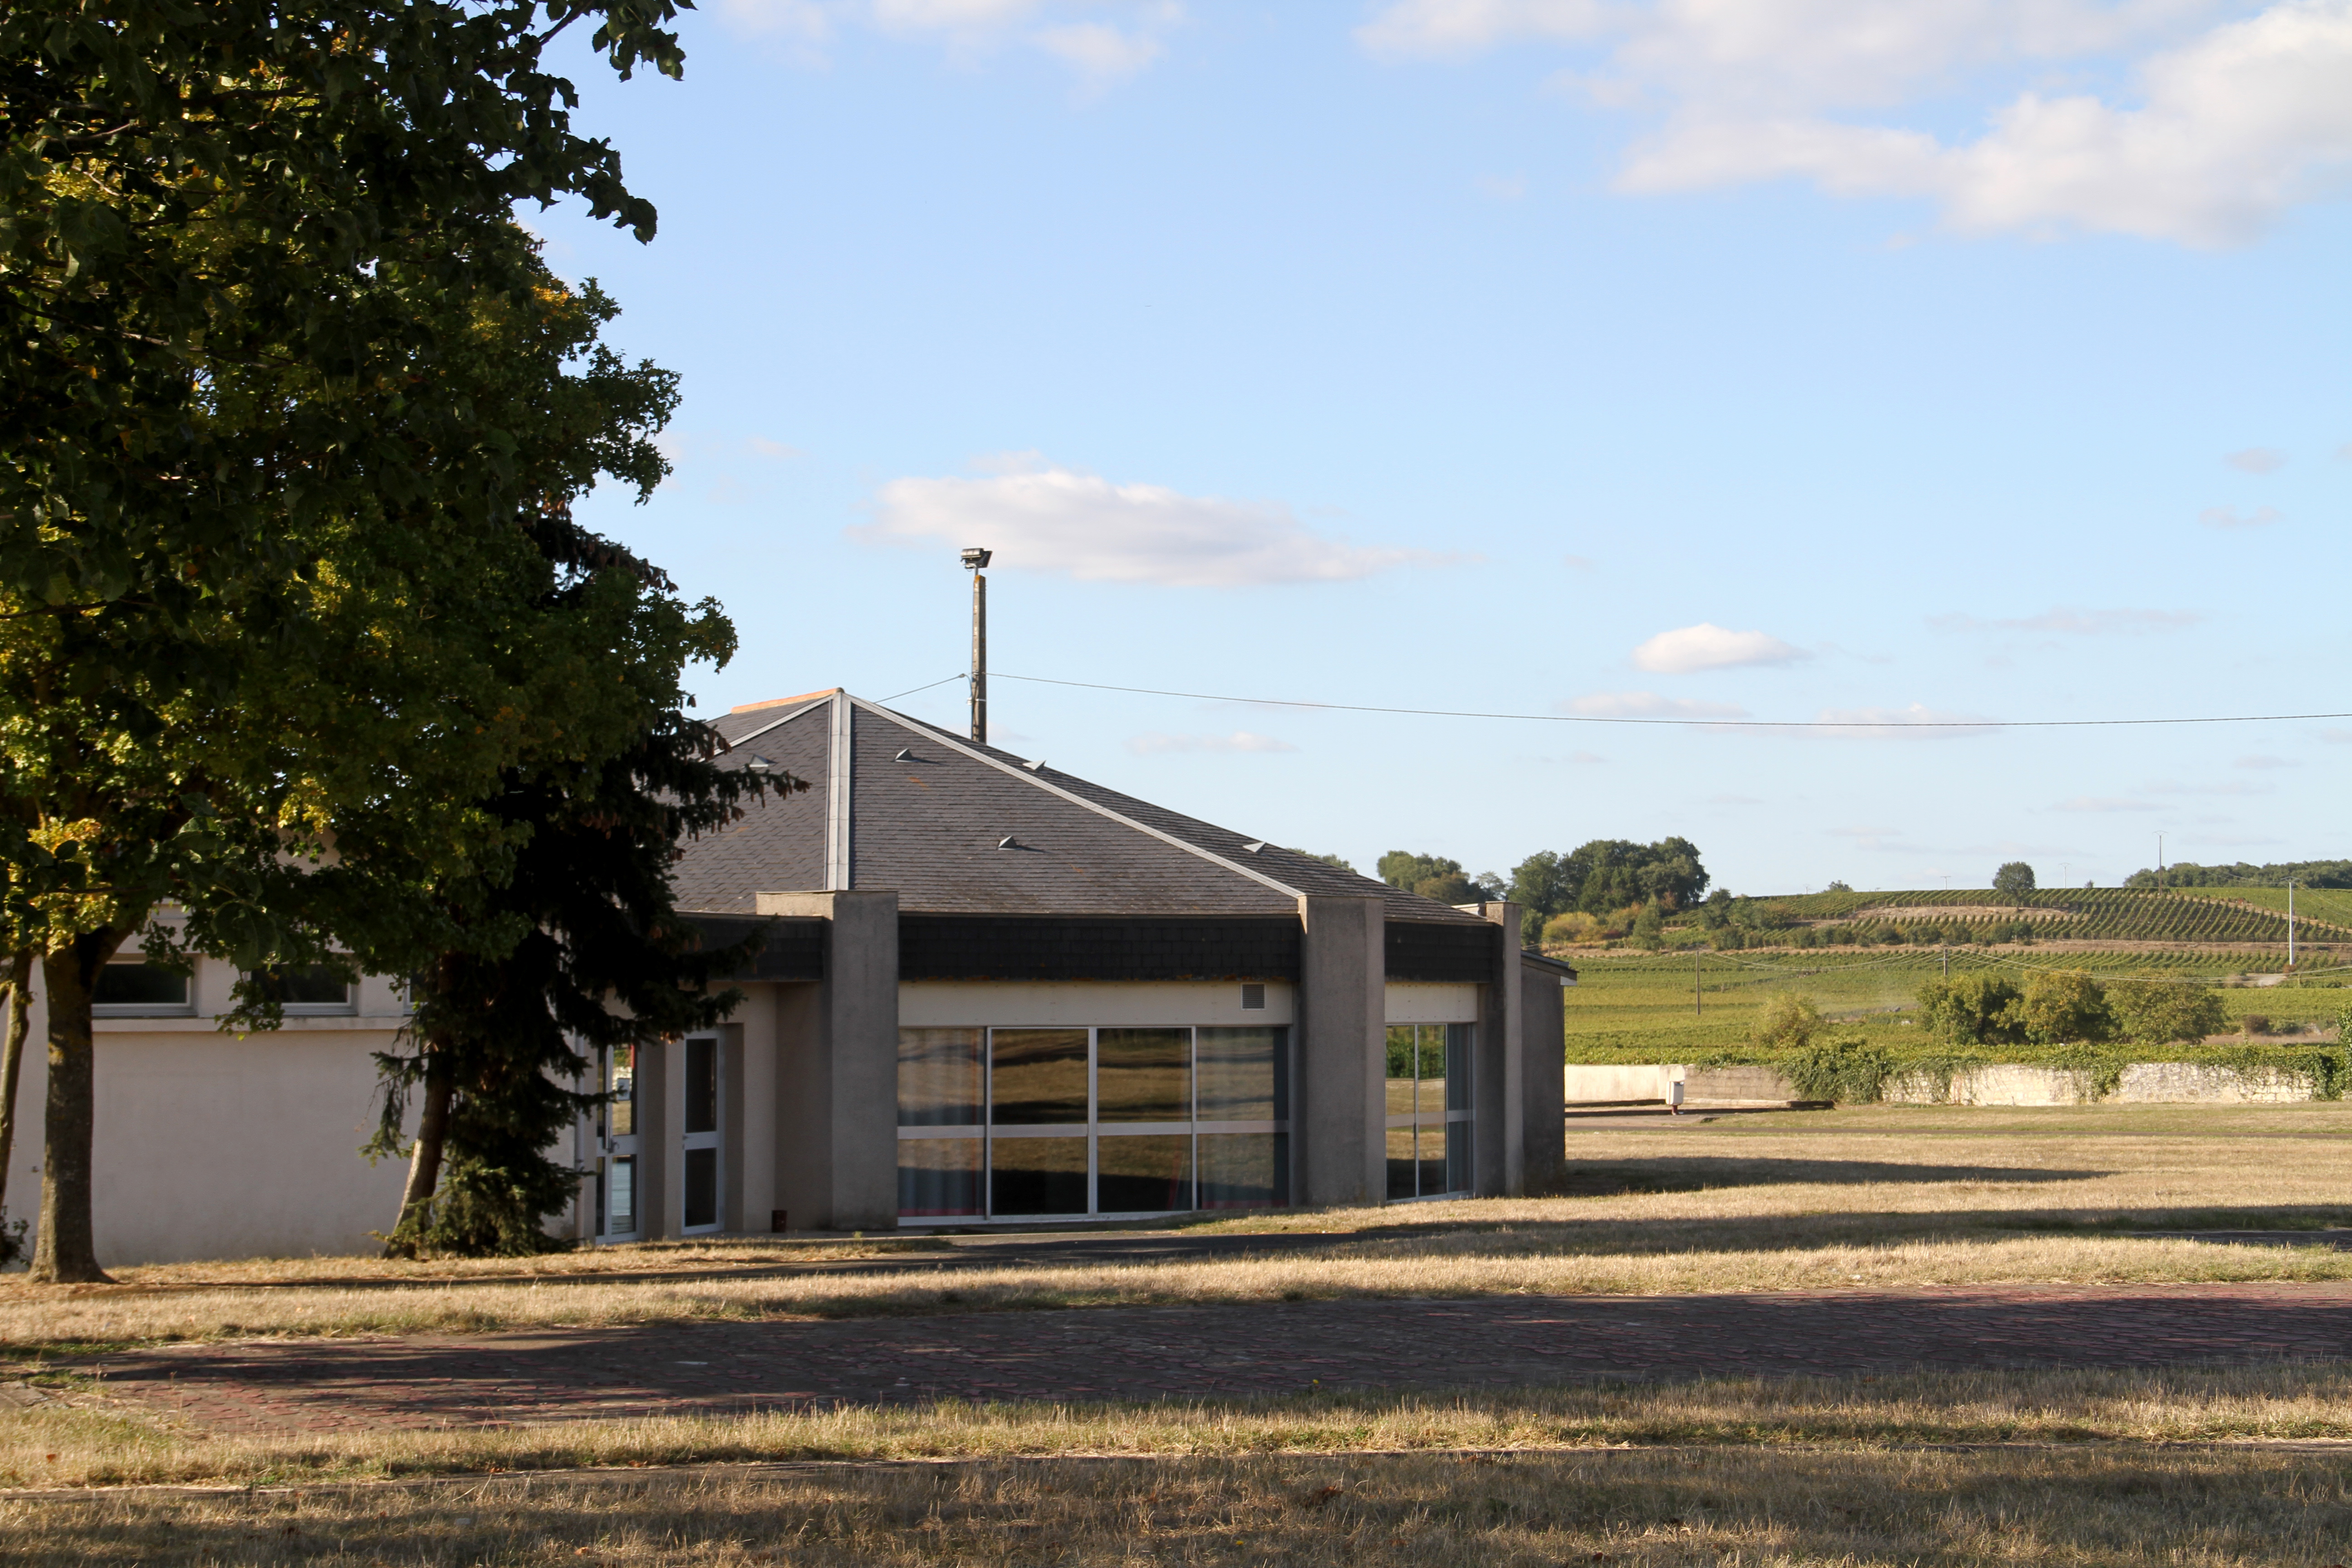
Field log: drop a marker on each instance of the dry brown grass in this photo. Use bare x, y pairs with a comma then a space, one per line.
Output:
2123, 1506
83, 1439
1894, 1200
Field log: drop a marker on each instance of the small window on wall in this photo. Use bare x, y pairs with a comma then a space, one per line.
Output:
304, 988
140, 989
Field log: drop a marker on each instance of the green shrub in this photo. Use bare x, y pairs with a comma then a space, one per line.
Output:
1849, 1069
2154, 1013
1788, 1023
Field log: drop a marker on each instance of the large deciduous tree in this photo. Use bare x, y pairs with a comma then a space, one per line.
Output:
261, 539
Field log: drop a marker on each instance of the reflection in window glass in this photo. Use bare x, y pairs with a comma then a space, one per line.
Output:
621, 1083
1037, 1175
1243, 1074
1402, 1172
1037, 1077
1402, 1054
1427, 1148
1457, 1155
1143, 1174
1457, 1067
1143, 1075
302, 985
1432, 1054
1244, 1170
939, 1077
620, 1197
702, 1091
938, 1176
701, 1186
139, 985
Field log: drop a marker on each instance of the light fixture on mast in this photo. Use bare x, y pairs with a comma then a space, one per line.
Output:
975, 560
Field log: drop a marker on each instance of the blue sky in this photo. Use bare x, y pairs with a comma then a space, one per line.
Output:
1776, 359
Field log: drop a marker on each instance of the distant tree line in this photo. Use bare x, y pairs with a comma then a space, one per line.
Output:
1637, 884
2302, 873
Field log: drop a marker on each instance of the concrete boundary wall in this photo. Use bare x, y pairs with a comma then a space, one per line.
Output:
2142, 1083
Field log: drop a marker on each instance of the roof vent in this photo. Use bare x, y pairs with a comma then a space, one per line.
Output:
1008, 842
904, 755
1255, 847
759, 764
1037, 767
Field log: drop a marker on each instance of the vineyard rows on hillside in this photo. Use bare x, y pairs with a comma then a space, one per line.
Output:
2203, 915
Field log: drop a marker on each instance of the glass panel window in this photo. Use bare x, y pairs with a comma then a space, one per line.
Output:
939, 1077
1431, 1143
1244, 1170
1403, 1054
1143, 1174
620, 1197
1038, 1078
1143, 1075
1404, 1171
1457, 1155
1432, 1053
1243, 1074
1037, 1175
145, 986
702, 1091
701, 1187
302, 986
621, 1083
1457, 1067
938, 1176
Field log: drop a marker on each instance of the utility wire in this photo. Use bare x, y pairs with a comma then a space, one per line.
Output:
959, 675
1689, 723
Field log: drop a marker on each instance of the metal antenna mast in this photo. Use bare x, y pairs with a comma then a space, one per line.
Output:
975, 560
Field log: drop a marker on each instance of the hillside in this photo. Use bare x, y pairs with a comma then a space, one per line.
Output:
1980, 916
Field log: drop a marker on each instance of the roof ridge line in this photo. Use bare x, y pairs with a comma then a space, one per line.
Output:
814, 702
1100, 810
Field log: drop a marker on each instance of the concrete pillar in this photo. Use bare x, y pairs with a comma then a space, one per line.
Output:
1498, 1066
1543, 1036
837, 1068
661, 1147
1338, 1112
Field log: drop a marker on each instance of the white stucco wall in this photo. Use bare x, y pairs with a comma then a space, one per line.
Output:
1075, 1004
211, 1145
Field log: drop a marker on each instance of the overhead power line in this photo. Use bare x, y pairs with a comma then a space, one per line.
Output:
1702, 723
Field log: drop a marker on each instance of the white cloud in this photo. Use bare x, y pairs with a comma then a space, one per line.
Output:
2101, 803
2266, 763
2336, 737
760, 447
2074, 622
2225, 129
1041, 517
1100, 53
1580, 562
1647, 705
2227, 517
1155, 743
1916, 721
2261, 459
2233, 788
1710, 646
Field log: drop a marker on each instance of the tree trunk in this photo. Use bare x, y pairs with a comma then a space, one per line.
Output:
66, 1252
425, 1159
12, 1059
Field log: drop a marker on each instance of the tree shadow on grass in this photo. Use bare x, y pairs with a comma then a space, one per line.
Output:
1700, 1173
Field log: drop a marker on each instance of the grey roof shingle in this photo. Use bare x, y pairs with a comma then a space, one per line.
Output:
928, 824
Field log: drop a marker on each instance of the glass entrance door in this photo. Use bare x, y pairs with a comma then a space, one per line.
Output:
700, 1212
617, 1167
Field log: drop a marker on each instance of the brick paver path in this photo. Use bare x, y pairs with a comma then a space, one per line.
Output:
1218, 1352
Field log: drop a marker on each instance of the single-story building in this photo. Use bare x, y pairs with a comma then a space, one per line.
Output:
989, 993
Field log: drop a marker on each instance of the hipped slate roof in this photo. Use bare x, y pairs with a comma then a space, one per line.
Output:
900, 805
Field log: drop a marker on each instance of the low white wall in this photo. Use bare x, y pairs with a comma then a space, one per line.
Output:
2006, 1085
2161, 1083
1617, 1085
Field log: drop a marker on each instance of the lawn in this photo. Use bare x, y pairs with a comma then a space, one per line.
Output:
1744, 1470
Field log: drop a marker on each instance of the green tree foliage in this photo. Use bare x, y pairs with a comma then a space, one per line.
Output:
1431, 876
1836, 887
1610, 873
1650, 926
2013, 882
2063, 1007
1978, 1009
260, 539
1849, 1070
2154, 1013
1787, 1022
2302, 873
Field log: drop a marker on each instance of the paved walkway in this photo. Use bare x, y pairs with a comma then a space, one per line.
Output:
1210, 1351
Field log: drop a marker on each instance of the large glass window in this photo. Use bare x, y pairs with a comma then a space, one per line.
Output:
1429, 1120
304, 987
1070, 1122
1037, 1077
